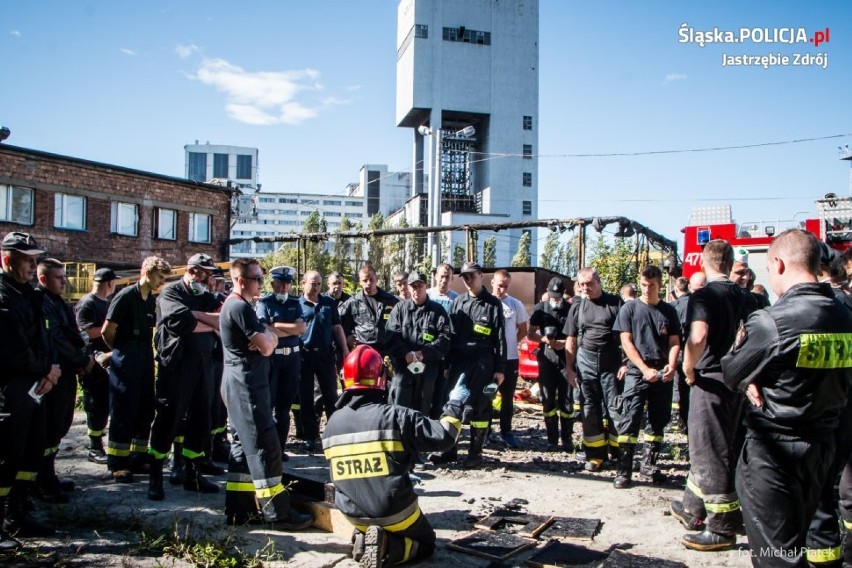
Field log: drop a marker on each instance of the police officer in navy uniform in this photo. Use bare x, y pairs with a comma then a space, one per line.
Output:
28, 373
322, 332
186, 334
418, 338
282, 315
365, 315
254, 492
546, 328
128, 331
794, 363
477, 357
369, 445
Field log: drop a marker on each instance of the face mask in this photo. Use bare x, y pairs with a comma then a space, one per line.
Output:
197, 288
282, 297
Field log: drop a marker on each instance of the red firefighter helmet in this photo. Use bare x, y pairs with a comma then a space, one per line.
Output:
364, 369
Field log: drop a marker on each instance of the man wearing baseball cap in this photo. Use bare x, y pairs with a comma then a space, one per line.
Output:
186, 333
282, 315
28, 374
418, 339
90, 313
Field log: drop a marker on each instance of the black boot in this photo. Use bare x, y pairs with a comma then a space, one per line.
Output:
474, 454
221, 448
566, 431
551, 423
281, 516
648, 467
48, 488
7, 543
708, 541
624, 475
176, 474
18, 520
208, 467
155, 482
96, 450
449, 456
194, 481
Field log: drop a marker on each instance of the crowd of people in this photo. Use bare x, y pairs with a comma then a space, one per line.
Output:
207, 377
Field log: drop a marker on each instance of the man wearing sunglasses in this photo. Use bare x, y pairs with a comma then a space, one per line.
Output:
254, 493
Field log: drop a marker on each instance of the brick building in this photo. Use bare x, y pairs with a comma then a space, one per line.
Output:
83, 211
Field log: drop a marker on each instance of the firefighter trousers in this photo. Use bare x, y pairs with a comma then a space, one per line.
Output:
284, 377
319, 365
779, 480
414, 391
824, 536
414, 542
184, 389
131, 403
22, 433
507, 395
256, 447
714, 418
556, 399
95, 385
637, 392
218, 412
846, 510
59, 411
600, 387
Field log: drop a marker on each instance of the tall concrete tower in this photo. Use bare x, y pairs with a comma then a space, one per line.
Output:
473, 63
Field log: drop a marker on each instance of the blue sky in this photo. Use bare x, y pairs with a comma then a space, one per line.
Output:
312, 85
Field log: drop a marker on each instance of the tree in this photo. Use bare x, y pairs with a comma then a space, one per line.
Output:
396, 249
458, 255
568, 258
316, 257
489, 252
522, 256
615, 262
341, 251
550, 253
377, 248
357, 248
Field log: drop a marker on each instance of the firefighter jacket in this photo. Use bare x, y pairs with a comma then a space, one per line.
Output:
365, 317
799, 354
369, 447
66, 344
423, 328
478, 324
175, 322
23, 341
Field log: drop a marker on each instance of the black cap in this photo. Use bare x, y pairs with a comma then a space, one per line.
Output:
555, 288
283, 273
218, 273
826, 254
415, 276
21, 242
105, 275
201, 260
470, 267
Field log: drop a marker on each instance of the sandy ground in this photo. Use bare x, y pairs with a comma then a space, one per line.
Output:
107, 524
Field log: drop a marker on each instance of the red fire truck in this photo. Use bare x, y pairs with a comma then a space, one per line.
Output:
833, 224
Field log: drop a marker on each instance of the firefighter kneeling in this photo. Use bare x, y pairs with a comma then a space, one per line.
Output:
370, 447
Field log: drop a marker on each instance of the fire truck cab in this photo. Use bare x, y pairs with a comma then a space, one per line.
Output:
833, 225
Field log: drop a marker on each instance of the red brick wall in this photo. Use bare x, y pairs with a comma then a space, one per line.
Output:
48, 174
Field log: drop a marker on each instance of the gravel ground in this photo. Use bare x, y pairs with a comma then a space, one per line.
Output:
108, 525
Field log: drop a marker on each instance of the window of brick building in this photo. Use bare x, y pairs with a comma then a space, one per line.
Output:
199, 228
165, 224
69, 212
16, 204
123, 218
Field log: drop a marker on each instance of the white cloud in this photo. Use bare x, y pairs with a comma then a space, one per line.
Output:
130, 52
184, 51
333, 101
15, 33
675, 77
263, 97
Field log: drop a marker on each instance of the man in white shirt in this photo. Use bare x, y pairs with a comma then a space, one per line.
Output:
517, 320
